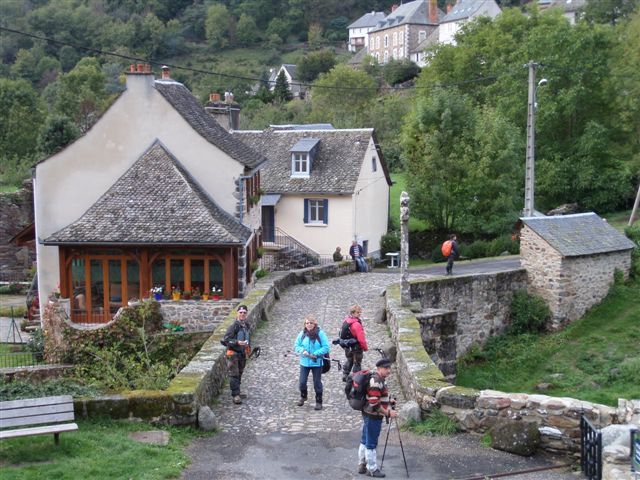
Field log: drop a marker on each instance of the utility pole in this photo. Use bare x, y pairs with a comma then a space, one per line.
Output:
529, 180
634, 212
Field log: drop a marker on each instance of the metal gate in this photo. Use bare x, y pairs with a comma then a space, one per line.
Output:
590, 450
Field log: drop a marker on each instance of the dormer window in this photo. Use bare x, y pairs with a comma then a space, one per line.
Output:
302, 155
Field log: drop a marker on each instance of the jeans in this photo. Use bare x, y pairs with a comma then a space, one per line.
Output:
317, 379
371, 428
361, 265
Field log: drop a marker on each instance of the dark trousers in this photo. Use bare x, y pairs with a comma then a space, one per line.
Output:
450, 260
317, 380
235, 366
354, 361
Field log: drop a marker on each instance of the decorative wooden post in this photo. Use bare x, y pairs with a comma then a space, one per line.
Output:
405, 291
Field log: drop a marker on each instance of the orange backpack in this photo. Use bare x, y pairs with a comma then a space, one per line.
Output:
446, 248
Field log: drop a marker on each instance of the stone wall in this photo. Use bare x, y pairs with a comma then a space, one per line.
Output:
481, 303
196, 315
569, 285
16, 213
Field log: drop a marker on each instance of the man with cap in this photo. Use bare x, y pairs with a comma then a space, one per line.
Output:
237, 341
377, 407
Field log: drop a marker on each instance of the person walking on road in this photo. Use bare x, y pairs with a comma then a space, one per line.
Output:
353, 338
237, 341
311, 344
357, 253
454, 253
377, 407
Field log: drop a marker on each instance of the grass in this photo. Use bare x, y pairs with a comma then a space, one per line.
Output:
18, 311
618, 220
99, 449
400, 185
15, 356
436, 423
596, 358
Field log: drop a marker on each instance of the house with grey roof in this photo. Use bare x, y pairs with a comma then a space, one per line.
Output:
571, 9
155, 194
464, 11
323, 187
359, 30
403, 29
571, 261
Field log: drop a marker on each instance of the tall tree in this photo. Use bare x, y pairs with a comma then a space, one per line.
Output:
217, 25
21, 119
315, 63
281, 92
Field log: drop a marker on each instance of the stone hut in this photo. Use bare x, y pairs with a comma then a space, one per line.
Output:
571, 260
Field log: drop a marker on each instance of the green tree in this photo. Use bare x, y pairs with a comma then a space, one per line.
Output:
315, 63
314, 36
342, 97
21, 119
280, 27
281, 92
386, 114
398, 71
217, 25
58, 131
609, 11
246, 30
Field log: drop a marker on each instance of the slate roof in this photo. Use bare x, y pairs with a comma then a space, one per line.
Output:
202, 122
416, 12
358, 57
463, 9
370, 19
335, 169
579, 234
432, 39
154, 202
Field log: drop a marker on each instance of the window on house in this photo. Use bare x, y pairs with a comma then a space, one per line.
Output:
300, 164
422, 35
395, 38
316, 211
395, 53
386, 56
377, 42
386, 41
401, 39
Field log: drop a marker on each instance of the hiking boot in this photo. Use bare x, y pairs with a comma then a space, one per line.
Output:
318, 406
344, 378
362, 468
237, 400
301, 401
243, 395
376, 473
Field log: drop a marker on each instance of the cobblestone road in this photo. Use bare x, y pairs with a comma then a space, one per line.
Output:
275, 372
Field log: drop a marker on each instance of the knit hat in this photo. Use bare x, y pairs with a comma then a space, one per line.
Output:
383, 362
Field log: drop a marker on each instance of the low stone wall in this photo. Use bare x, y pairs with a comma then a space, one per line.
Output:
204, 377
477, 411
196, 315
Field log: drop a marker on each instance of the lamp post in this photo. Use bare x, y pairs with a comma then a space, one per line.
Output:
529, 182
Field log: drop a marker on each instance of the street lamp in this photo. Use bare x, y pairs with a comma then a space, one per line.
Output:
529, 182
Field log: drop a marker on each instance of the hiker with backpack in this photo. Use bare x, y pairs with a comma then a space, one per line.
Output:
312, 345
236, 339
377, 406
450, 251
353, 341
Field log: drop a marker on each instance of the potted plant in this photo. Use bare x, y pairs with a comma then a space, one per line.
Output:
216, 292
156, 292
205, 295
175, 293
195, 293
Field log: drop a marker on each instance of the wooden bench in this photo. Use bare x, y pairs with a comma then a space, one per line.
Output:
51, 414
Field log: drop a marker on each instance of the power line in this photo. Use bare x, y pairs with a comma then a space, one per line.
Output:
241, 77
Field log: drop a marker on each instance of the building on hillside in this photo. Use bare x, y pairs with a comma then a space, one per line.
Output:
403, 29
290, 72
359, 30
323, 188
419, 54
571, 261
462, 12
571, 9
156, 193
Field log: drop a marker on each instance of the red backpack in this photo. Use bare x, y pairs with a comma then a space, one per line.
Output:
446, 248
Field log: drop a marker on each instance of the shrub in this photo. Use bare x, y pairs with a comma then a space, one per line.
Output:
35, 345
389, 243
503, 244
261, 273
477, 249
19, 389
529, 313
436, 423
633, 232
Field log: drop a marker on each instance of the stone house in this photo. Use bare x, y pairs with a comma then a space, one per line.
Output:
571, 261
359, 30
462, 12
403, 29
323, 187
156, 193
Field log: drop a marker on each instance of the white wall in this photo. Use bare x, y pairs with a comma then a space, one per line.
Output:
70, 182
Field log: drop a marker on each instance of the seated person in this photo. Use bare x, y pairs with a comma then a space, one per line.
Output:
337, 255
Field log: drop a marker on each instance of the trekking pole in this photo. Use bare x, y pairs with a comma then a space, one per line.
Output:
402, 448
385, 442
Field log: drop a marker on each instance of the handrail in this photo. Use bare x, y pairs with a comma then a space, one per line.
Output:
297, 242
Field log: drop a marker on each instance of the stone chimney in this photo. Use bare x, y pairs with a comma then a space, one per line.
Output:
140, 69
433, 12
226, 113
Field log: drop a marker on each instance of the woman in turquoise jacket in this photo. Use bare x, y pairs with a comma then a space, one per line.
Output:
311, 345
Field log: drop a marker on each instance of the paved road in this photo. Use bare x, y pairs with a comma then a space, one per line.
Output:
269, 437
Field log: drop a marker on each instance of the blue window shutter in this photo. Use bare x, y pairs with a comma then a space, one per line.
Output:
325, 205
306, 210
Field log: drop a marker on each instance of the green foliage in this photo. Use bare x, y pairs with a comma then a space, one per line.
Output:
246, 30
315, 63
217, 25
529, 313
435, 423
19, 389
609, 11
22, 117
35, 345
398, 71
281, 92
260, 273
499, 245
633, 232
389, 243
58, 132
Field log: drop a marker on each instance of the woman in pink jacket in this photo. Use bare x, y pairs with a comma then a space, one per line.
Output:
353, 340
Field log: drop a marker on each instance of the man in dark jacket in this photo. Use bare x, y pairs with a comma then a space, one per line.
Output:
357, 253
237, 341
378, 406
454, 253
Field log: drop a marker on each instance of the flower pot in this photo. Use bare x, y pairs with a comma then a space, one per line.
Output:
175, 297
157, 296
205, 296
216, 297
